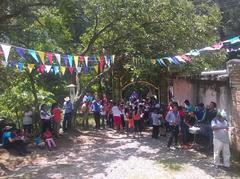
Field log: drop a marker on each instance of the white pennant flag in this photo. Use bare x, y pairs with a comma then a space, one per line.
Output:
6, 50
58, 57
86, 60
48, 68
79, 69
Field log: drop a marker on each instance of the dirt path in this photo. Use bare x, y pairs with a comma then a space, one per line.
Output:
105, 154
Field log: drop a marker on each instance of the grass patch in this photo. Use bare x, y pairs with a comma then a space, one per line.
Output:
171, 165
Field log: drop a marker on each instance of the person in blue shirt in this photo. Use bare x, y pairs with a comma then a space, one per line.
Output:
96, 109
200, 110
188, 106
68, 109
10, 141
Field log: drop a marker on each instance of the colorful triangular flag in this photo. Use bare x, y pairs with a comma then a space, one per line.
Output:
48, 68
79, 69
86, 60
20, 66
96, 67
76, 58
71, 69
30, 67
56, 69
50, 57
34, 55
70, 60
42, 56
6, 50
20, 52
63, 69
58, 57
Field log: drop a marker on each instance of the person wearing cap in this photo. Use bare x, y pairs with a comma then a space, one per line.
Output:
68, 109
221, 140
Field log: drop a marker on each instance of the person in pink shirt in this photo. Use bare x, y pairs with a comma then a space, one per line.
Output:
47, 135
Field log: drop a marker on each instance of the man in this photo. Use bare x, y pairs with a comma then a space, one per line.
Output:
173, 118
96, 109
68, 108
208, 116
220, 140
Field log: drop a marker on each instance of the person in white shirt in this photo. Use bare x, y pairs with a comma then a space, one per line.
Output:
220, 140
156, 123
116, 117
173, 118
27, 121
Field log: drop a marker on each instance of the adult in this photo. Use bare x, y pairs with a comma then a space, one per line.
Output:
116, 117
188, 106
156, 123
56, 117
173, 119
45, 118
27, 121
10, 141
205, 122
67, 111
85, 111
200, 110
96, 109
220, 140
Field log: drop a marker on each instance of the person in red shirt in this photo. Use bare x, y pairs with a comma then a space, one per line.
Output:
56, 117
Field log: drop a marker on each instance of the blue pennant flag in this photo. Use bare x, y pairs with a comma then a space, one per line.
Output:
56, 69
20, 51
34, 55
20, 66
70, 60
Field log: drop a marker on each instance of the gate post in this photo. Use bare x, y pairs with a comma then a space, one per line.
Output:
233, 67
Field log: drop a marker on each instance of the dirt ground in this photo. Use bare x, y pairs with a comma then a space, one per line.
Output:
106, 154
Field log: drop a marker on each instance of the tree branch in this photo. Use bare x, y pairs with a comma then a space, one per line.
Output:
95, 36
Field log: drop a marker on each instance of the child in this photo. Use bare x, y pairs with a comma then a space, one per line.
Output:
47, 135
130, 122
39, 143
136, 118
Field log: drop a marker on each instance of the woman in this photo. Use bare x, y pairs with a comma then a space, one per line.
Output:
27, 121
45, 118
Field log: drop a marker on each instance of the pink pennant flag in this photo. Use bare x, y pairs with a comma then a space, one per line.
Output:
81, 58
6, 50
186, 58
50, 57
71, 69
218, 46
41, 68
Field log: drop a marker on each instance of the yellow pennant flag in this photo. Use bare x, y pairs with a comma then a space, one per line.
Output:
96, 68
75, 58
30, 67
153, 61
63, 69
42, 56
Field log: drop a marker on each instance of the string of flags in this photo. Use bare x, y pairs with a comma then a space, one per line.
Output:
46, 62
58, 63
232, 44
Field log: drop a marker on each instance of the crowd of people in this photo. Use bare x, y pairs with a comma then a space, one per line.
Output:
171, 122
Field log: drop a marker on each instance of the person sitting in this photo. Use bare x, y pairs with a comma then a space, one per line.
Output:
39, 142
11, 141
47, 135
